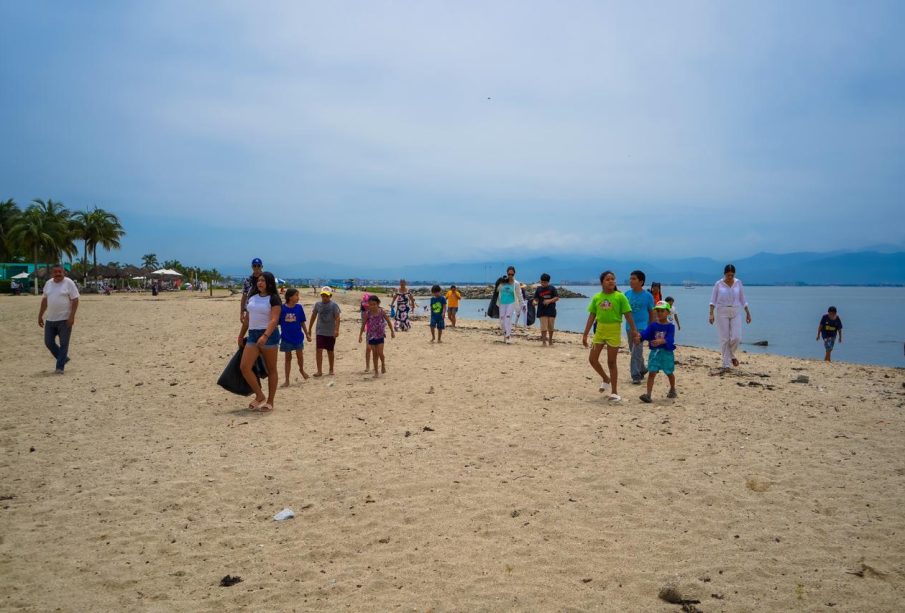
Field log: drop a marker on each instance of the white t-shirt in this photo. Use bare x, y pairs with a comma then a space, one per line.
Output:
258, 308
59, 297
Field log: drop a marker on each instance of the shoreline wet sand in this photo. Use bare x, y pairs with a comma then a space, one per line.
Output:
474, 476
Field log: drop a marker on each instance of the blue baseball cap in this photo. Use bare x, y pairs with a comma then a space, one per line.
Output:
257, 262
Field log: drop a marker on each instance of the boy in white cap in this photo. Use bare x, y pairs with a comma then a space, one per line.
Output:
661, 335
326, 316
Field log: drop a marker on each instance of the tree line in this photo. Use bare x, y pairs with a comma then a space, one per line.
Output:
46, 231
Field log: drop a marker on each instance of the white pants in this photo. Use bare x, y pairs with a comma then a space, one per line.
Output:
729, 323
507, 318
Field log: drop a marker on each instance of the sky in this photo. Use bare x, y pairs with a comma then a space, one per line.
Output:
395, 133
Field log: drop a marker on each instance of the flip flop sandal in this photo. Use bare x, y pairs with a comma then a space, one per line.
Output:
604, 387
614, 398
265, 408
254, 405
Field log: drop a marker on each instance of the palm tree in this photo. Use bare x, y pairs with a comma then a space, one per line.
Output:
98, 228
175, 265
9, 212
59, 221
149, 261
41, 230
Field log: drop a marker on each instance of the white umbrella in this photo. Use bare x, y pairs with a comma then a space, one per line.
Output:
21, 275
166, 272
138, 278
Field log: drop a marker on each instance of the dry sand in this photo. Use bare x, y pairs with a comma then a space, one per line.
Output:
474, 476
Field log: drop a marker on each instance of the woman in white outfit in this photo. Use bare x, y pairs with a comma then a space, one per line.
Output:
728, 298
509, 301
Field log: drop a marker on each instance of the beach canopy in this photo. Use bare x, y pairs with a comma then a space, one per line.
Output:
138, 278
21, 275
166, 272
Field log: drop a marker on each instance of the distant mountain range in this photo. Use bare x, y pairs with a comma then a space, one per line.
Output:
835, 268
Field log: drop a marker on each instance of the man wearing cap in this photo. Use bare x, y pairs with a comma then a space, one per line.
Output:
326, 316
60, 302
251, 284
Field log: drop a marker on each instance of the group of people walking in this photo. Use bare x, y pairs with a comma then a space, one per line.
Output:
270, 326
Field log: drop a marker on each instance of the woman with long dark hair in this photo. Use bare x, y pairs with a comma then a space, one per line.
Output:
262, 321
728, 300
509, 301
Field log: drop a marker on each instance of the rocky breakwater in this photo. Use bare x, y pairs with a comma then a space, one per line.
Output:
484, 292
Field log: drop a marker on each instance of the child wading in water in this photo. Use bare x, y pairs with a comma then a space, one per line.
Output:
608, 308
662, 338
830, 326
293, 333
375, 321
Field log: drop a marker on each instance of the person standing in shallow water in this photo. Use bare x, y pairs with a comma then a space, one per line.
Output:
403, 302
830, 326
726, 304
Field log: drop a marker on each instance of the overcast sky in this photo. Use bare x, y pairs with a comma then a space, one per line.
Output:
403, 132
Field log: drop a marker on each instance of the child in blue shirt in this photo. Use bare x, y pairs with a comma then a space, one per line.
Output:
438, 313
661, 336
292, 333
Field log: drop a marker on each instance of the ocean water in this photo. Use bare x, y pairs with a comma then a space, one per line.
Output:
785, 317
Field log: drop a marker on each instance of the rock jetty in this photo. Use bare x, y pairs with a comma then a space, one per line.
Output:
481, 292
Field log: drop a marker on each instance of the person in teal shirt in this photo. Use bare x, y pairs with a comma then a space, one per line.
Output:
509, 301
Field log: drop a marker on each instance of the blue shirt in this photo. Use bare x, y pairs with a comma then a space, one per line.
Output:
642, 304
664, 331
291, 319
437, 304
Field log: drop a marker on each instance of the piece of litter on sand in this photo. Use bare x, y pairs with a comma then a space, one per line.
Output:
230, 580
284, 514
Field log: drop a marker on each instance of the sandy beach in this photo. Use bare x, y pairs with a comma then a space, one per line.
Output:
473, 476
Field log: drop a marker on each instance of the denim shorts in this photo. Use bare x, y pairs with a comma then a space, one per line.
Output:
437, 321
661, 360
272, 341
287, 347
376, 341
829, 342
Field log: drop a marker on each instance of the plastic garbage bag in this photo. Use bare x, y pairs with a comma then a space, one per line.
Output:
231, 378
284, 514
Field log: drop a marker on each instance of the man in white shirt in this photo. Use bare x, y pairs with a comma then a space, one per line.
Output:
60, 302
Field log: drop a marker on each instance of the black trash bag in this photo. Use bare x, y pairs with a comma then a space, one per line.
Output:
231, 378
531, 315
493, 310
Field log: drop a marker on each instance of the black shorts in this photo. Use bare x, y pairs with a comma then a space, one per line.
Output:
325, 342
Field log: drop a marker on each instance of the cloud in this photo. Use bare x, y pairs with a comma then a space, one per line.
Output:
644, 128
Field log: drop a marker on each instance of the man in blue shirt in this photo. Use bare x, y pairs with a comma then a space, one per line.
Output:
642, 303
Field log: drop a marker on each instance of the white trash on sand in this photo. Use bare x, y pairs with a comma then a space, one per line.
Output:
286, 513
